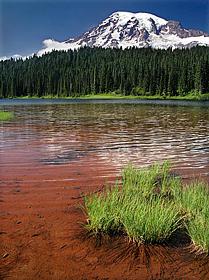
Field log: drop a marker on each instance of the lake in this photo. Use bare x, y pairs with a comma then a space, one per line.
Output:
117, 132
53, 151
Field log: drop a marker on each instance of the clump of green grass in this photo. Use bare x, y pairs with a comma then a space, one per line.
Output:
151, 221
195, 200
5, 116
149, 206
104, 211
198, 231
141, 208
153, 181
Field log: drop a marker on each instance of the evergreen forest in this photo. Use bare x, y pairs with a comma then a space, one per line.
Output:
138, 72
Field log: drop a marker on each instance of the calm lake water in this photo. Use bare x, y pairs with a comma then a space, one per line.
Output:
58, 132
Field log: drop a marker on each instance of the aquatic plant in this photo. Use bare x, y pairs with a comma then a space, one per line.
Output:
148, 206
141, 207
195, 200
5, 116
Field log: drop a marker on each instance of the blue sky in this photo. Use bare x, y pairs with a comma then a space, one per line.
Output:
25, 24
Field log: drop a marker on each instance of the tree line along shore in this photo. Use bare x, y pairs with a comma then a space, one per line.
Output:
132, 72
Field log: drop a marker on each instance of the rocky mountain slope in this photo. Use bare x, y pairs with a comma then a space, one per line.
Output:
125, 29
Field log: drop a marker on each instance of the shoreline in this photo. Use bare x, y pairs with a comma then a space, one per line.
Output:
101, 100
204, 97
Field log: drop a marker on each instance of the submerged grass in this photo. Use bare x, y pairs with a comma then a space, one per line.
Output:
5, 116
149, 206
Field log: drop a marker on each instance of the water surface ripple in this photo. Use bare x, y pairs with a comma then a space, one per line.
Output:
116, 133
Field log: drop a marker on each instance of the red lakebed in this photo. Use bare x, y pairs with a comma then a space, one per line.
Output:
53, 154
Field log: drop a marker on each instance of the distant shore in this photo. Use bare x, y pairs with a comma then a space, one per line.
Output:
189, 97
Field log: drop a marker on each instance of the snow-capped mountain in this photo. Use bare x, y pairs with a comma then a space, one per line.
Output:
125, 29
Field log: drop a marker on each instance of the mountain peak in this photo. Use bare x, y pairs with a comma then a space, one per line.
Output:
145, 20
124, 29
139, 15
128, 29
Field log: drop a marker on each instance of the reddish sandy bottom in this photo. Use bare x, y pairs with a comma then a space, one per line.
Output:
41, 236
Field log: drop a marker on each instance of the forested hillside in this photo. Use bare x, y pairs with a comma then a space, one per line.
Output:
96, 70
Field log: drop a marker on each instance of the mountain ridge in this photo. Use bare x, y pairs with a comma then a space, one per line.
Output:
126, 29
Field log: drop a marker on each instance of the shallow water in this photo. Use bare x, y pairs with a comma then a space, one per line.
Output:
54, 151
55, 132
